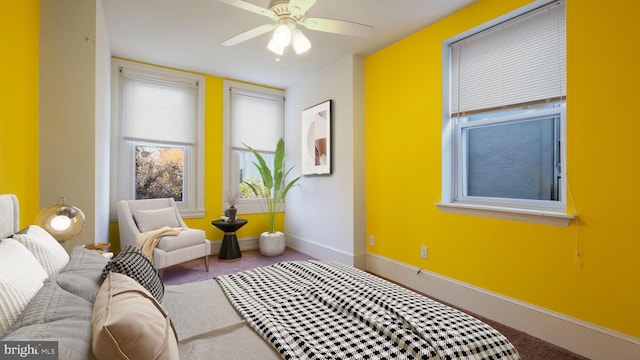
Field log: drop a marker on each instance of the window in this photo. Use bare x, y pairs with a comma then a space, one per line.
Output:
504, 135
510, 157
254, 116
158, 134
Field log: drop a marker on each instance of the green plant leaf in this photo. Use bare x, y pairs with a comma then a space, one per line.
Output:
262, 167
278, 165
274, 180
291, 184
254, 188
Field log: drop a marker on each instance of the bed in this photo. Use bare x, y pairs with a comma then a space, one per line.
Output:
290, 310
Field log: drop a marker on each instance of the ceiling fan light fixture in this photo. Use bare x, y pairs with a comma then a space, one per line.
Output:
288, 14
282, 35
301, 43
275, 47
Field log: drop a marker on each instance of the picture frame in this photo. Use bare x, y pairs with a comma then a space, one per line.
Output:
316, 139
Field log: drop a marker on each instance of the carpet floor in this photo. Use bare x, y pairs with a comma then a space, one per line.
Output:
529, 347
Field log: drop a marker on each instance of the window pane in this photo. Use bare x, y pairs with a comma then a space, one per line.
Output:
159, 172
512, 160
249, 173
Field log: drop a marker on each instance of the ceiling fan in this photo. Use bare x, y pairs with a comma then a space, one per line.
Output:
286, 14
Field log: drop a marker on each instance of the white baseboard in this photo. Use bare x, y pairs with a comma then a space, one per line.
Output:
323, 252
581, 337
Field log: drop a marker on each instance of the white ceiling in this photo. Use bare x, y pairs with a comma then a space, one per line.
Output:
186, 34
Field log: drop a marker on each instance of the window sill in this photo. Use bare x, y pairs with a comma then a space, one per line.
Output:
532, 216
191, 214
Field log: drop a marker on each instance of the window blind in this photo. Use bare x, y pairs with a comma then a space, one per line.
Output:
158, 110
520, 61
256, 120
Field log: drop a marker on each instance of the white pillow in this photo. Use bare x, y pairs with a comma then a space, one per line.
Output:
47, 250
148, 220
21, 276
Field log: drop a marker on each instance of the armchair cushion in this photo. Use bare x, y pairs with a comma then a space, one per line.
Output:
186, 238
148, 220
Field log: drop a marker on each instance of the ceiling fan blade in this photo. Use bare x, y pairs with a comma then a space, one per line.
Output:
300, 7
250, 34
250, 7
337, 26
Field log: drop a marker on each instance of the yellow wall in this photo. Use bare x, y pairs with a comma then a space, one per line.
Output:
529, 262
19, 27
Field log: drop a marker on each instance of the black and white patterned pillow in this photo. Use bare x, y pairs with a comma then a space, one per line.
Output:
132, 262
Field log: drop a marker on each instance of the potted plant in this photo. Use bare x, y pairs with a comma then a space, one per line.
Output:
275, 188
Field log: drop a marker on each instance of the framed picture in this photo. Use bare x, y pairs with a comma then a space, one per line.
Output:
316, 139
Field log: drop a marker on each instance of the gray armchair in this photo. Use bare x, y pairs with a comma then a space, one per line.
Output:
141, 216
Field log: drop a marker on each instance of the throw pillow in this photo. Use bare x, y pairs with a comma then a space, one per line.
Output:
132, 262
128, 323
21, 276
47, 250
83, 274
148, 220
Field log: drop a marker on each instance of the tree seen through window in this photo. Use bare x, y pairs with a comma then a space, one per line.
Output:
159, 172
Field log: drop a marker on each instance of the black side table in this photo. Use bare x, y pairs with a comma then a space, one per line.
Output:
230, 250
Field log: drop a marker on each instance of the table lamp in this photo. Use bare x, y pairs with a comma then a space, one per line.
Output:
62, 221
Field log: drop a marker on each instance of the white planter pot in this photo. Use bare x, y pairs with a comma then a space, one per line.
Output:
272, 244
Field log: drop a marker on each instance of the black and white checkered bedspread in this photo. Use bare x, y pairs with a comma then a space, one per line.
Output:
327, 310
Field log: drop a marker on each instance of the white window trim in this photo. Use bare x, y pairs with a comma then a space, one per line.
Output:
448, 203
525, 215
247, 206
193, 205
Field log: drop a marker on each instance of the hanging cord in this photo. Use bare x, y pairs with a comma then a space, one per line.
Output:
577, 254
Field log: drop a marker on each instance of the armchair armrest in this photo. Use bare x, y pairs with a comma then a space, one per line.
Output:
128, 228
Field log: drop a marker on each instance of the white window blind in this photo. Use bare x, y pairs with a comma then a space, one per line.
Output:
518, 62
256, 120
158, 110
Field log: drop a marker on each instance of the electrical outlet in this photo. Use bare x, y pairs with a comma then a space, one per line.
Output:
424, 252
372, 240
